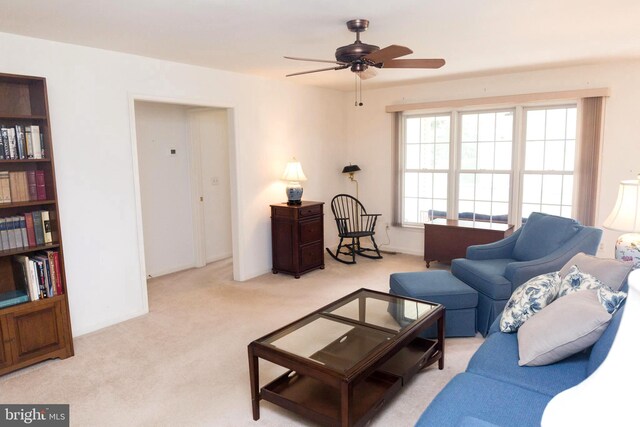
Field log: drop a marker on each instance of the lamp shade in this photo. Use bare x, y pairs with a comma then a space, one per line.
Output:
350, 169
293, 172
625, 216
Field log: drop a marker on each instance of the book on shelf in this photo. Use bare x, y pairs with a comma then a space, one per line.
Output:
54, 256
37, 226
31, 184
31, 233
5, 188
14, 297
41, 190
28, 143
20, 146
13, 148
4, 234
44, 269
46, 227
36, 142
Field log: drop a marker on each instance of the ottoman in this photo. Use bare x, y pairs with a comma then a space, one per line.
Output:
443, 288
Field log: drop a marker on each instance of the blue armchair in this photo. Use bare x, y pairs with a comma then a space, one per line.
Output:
542, 245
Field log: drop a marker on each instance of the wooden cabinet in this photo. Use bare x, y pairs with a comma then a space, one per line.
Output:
447, 239
37, 329
297, 237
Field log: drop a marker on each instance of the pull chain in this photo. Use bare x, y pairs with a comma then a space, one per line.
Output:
358, 91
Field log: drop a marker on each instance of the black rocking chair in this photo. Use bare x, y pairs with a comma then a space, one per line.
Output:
353, 223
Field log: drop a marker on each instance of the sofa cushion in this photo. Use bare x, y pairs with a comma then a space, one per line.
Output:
497, 358
611, 272
528, 299
485, 276
542, 234
568, 325
610, 300
495, 402
436, 286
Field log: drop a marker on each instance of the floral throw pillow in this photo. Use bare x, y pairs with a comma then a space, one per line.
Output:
575, 280
528, 299
610, 299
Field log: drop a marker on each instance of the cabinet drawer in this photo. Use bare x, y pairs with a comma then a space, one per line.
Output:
310, 231
308, 211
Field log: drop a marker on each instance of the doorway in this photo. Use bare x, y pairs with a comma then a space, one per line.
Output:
184, 179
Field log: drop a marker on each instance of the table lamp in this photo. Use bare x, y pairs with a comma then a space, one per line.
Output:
294, 175
625, 217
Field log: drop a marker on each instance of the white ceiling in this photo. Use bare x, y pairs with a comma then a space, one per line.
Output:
252, 36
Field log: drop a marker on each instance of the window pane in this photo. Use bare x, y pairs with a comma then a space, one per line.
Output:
440, 205
567, 191
501, 209
424, 208
531, 188
412, 131
535, 124
426, 156
428, 129
426, 185
412, 156
468, 155
483, 208
487, 127
534, 156
440, 185
552, 189
571, 123
570, 155
411, 184
503, 155
483, 187
504, 126
556, 124
501, 188
443, 128
467, 186
528, 209
551, 209
566, 211
554, 156
410, 209
485, 155
469, 127
442, 156
465, 207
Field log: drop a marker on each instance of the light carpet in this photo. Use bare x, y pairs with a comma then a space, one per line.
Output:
185, 363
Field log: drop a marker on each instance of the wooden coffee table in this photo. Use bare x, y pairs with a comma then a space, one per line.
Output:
348, 358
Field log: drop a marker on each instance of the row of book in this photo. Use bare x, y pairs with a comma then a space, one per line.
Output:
21, 142
27, 230
39, 274
22, 186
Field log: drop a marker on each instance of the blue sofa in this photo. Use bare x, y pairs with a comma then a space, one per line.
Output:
496, 391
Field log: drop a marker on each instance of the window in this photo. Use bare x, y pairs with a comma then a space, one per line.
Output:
495, 165
425, 156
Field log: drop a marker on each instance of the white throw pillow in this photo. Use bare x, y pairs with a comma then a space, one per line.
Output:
528, 299
576, 280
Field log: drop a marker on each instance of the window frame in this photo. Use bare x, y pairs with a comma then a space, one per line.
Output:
518, 151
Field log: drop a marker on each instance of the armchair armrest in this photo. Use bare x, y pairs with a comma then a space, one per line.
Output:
586, 240
500, 249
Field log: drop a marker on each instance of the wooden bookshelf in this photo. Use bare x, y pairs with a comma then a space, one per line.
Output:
32, 331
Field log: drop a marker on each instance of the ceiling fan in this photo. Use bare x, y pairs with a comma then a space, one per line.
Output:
363, 59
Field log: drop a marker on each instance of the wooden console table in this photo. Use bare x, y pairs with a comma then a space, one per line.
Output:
447, 239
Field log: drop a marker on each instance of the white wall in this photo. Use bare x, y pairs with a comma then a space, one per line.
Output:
371, 131
164, 187
90, 92
209, 127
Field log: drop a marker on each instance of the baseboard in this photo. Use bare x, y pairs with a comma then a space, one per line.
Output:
215, 258
104, 324
170, 270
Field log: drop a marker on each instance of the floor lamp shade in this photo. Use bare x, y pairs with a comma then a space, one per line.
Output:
294, 175
625, 217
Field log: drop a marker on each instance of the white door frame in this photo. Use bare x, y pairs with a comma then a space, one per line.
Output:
233, 178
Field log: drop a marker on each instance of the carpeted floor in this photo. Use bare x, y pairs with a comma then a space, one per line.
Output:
185, 363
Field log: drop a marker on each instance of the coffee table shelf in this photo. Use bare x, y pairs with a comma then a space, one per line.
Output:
320, 402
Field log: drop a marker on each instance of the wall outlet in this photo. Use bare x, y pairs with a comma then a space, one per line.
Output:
215, 181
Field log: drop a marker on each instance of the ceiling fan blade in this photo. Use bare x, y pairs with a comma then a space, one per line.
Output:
414, 63
387, 53
369, 73
315, 60
341, 67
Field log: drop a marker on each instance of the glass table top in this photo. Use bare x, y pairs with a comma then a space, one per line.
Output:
345, 332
